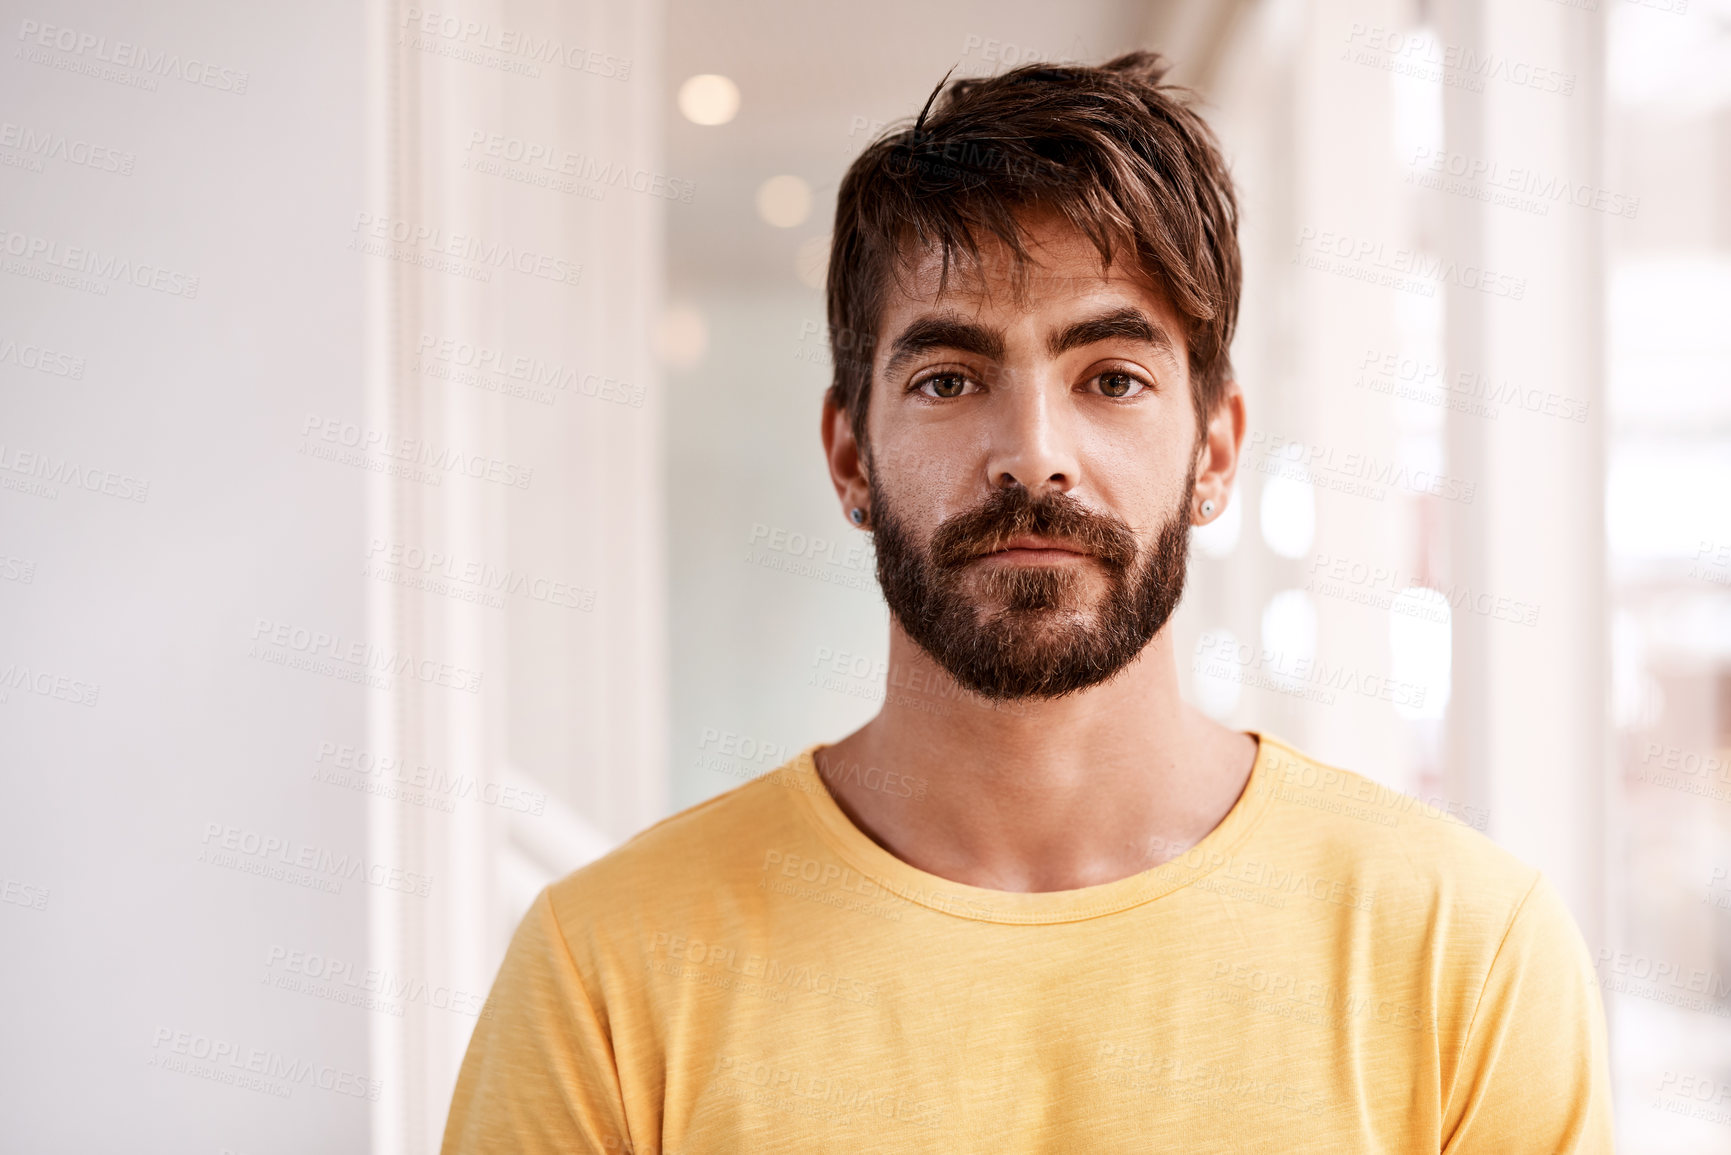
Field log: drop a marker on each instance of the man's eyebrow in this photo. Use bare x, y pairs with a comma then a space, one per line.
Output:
941, 332
1128, 323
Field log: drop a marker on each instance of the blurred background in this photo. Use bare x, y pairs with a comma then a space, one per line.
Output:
410, 488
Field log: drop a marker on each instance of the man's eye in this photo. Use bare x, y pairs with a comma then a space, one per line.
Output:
1120, 385
945, 385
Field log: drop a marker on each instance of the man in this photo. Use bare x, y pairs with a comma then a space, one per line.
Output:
1039, 903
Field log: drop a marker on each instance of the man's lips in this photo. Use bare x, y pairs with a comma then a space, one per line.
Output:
1035, 548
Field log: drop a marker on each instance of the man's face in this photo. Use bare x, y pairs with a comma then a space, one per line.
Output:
1032, 464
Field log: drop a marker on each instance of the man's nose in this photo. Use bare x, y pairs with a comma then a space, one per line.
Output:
1033, 437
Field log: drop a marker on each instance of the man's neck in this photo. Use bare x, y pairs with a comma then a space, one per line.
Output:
1037, 795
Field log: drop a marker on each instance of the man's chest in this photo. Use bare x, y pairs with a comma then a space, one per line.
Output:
947, 1051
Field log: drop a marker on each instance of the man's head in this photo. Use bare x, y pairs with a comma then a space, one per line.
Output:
1031, 296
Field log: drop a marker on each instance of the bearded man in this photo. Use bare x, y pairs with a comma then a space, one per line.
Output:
1102, 921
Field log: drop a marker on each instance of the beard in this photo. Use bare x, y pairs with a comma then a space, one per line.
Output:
1009, 631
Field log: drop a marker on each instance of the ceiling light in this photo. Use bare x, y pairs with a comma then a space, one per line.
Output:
709, 99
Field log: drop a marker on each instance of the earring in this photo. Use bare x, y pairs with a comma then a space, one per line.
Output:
1208, 509
858, 515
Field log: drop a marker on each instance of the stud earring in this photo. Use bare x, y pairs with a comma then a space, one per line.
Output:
858, 515
1208, 509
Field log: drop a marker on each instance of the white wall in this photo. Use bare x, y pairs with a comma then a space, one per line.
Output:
554, 593
155, 602
240, 627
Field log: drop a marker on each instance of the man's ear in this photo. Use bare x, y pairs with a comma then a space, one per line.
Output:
846, 467
1217, 454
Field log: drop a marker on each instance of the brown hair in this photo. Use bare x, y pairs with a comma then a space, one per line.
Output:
1114, 151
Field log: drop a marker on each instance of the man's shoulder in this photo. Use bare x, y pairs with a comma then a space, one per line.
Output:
687, 857
1421, 853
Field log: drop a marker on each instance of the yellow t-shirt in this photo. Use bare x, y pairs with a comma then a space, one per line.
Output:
1334, 968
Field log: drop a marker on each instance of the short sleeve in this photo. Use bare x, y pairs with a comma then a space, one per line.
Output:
539, 1075
1533, 1074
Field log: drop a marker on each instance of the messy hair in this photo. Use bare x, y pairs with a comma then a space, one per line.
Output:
1113, 150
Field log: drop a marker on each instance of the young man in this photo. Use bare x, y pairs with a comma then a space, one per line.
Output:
1039, 903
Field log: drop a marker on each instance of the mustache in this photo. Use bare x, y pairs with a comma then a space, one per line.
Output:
1012, 512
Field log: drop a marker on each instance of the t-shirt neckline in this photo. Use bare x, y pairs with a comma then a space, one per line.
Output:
982, 904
